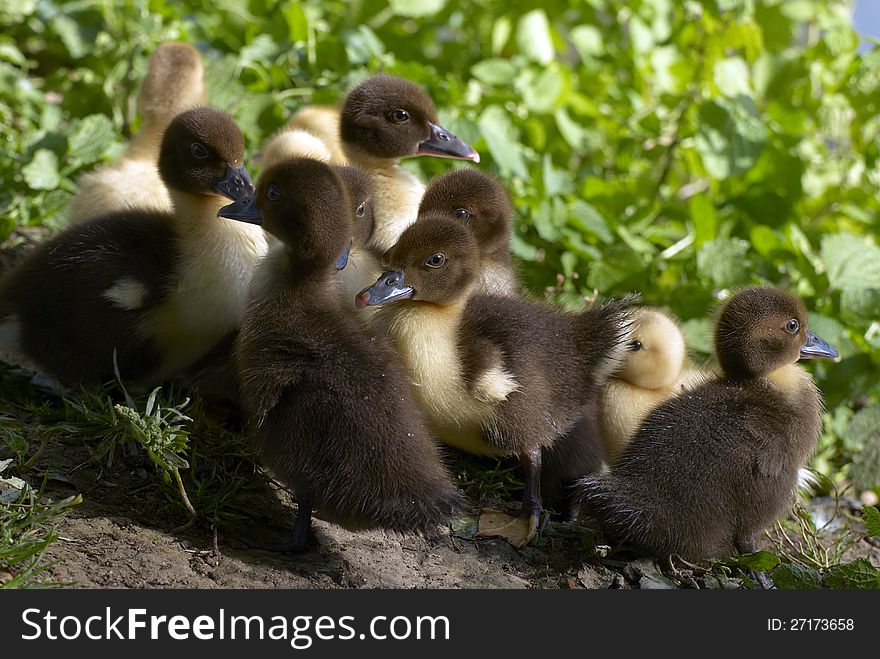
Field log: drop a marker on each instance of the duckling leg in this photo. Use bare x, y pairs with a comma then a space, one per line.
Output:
749, 546
518, 531
299, 539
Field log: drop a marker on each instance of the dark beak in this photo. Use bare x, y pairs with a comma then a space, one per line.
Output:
244, 209
444, 144
342, 261
818, 348
389, 287
236, 184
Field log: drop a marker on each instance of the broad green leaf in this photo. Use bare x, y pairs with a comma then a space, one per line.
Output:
852, 261
416, 8
42, 172
857, 574
724, 261
732, 76
588, 220
792, 576
534, 38
587, 39
501, 138
69, 31
760, 561
871, 517
699, 333
91, 139
704, 217
495, 71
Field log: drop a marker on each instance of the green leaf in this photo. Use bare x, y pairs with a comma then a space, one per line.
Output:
91, 139
852, 261
495, 71
730, 137
760, 561
69, 31
502, 140
416, 8
589, 220
42, 172
871, 517
857, 574
792, 576
587, 39
704, 217
724, 261
732, 77
699, 333
534, 38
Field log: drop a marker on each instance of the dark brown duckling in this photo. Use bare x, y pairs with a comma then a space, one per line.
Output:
709, 469
478, 200
173, 84
494, 375
329, 402
384, 119
158, 289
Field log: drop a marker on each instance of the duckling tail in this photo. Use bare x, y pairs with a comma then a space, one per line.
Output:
602, 499
606, 330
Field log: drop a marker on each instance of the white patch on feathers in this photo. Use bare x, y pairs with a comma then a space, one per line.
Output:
126, 294
426, 338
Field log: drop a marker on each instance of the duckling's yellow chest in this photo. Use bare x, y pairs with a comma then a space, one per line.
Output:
397, 195
426, 338
208, 298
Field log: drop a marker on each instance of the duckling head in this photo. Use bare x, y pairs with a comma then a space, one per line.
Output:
436, 260
304, 203
202, 154
360, 194
474, 198
761, 329
388, 118
657, 352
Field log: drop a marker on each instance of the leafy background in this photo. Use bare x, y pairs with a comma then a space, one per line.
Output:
681, 149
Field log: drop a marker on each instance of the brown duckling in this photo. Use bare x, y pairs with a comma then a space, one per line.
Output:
480, 201
384, 119
709, 469
654, 369
494, 375
172, 85
158, 290
329, 402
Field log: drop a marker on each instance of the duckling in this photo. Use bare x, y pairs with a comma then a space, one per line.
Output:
173, 84
494, 375
329, 403
384, 119
709, 469
322, 121
158, 290
480, 201
655, 369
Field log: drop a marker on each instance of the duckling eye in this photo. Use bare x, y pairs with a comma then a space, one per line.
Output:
199, 150
436, 261
273, 192
635, 346
792, 326
361, 210
462, 214
399, 116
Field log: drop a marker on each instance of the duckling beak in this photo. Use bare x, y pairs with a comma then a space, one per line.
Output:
342, 261
236, 184
244, 209
818, 348
444, 144
389, 287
